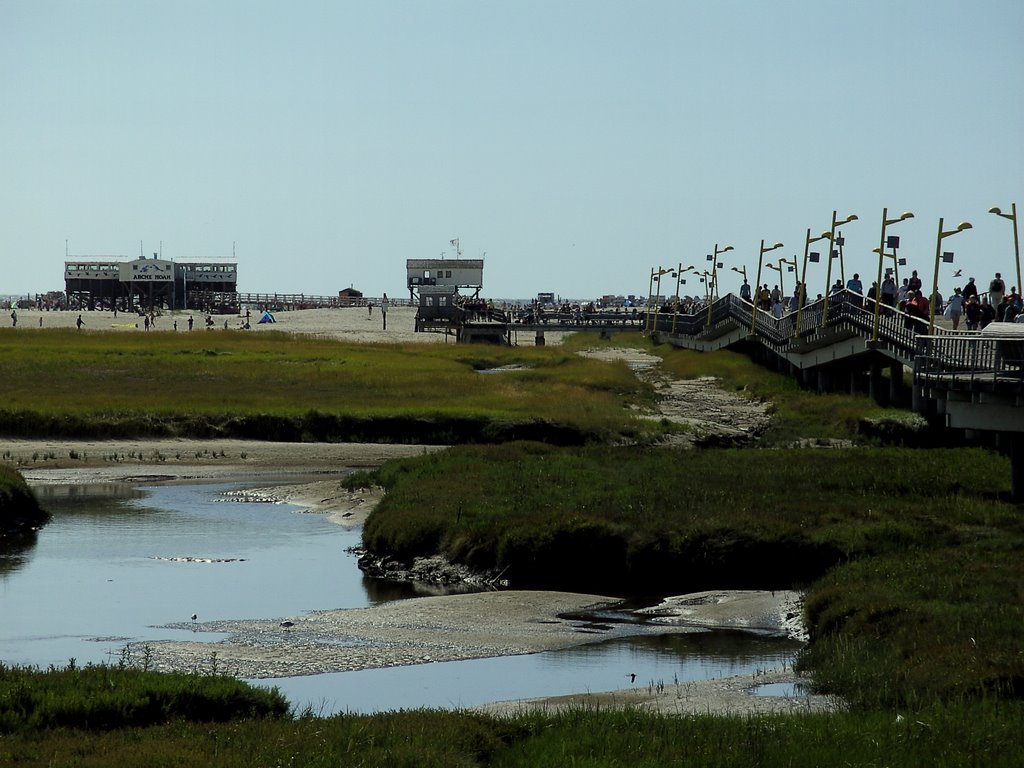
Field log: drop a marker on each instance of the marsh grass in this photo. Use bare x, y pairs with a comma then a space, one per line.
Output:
102, 697
980, 734
60, 382
606, 515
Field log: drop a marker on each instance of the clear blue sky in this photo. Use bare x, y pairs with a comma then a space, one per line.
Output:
577, 144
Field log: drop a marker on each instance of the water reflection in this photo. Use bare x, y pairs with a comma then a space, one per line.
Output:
641, 661
118, 563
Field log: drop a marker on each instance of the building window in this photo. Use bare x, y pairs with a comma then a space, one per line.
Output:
448, 273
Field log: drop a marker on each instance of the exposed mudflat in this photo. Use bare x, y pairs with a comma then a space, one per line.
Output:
709, 412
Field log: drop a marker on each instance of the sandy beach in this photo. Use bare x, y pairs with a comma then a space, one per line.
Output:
345, 324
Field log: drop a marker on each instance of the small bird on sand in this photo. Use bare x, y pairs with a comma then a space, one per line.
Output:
287, 624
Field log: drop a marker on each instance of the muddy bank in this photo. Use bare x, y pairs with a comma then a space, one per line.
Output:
712, 416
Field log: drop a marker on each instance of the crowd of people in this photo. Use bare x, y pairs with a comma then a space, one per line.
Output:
968, 305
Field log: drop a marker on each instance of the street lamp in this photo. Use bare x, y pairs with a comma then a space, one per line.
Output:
1016, 239
679, 272
802, 297
828, 275
881, 255
714, 278
935, 275
705, 277
655, 278
757, 288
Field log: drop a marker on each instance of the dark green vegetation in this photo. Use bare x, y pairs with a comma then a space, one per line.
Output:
100, 698
20, 513
281, 387
977, 735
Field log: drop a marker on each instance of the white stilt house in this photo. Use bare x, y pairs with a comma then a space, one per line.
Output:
436, 284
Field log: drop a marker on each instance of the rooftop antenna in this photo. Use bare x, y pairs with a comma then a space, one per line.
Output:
161, 249
141, 253
458, 250
232, 250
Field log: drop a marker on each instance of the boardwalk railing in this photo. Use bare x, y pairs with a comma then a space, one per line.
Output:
278, 302
972, 361
897, 331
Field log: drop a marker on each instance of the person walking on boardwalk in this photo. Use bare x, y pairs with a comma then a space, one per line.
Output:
971, 289
996, 289
955, 308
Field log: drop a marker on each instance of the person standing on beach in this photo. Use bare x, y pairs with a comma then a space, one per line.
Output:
14, 318
190, 321
79, 323
384, 310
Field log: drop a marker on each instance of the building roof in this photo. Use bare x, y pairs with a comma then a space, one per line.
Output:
444, 264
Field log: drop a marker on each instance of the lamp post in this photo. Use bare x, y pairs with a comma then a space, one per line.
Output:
705, 277
714, 278
802, 298
886, 222
828, 275
935, 275
791, 263
680, 271
649, 325
757, 288
1016, 238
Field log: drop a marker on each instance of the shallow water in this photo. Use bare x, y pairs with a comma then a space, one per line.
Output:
667, 660
118, 563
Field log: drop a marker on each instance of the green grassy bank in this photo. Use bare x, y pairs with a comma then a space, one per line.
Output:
981, 734
283, 387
